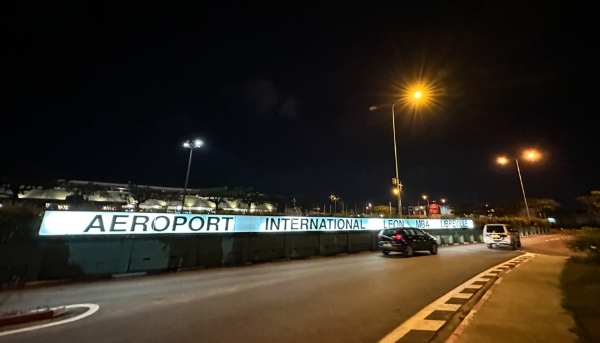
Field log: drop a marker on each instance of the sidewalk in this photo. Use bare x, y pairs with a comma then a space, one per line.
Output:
524, 307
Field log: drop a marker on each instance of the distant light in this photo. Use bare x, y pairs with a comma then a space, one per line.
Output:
502, 160
424, 197
372, 108
531, 155
418, 95
193, 144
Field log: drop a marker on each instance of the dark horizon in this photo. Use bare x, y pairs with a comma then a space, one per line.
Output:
281, 94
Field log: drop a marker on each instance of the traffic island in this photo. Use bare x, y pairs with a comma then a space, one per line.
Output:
16, 318
14, 322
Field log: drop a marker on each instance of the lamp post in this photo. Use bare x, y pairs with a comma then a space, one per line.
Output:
425, 197
415, 96
530, 155
335, 200
189, 145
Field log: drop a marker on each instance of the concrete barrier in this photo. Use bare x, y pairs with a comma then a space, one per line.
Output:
92, 256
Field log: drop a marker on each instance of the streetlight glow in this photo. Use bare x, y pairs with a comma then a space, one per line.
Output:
531, 155
502, 160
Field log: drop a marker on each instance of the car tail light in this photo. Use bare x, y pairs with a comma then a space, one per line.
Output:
398, 237
378, 236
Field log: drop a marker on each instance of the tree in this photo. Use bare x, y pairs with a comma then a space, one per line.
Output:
248, 197
218, 195
80, 193
23, 181
140, 194
383, 210
591, 202
543, 204
512, 208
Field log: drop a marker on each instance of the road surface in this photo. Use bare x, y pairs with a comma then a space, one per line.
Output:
355, 298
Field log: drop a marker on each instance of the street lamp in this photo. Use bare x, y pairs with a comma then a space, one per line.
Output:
335, 200
414, 97
529, 155
189, 145
425, 197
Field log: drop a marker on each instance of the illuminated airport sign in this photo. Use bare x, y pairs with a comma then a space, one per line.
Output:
61, 223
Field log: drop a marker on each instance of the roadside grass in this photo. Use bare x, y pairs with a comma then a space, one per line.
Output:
580, 282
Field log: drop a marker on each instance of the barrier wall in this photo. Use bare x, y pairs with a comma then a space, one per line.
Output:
91, 255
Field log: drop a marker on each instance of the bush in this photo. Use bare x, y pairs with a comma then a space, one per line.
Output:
517, 223
583, 242
18, 223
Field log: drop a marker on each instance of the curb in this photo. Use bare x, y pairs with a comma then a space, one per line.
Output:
445, 333
436, 322
463, 243
29, 317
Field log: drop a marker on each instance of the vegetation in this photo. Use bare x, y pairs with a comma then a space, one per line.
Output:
580, 281
383, 210
218, 195
246, 196
21, 182
585, 242
18, 223
591, 202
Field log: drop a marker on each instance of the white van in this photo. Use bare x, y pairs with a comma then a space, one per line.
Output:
501, 235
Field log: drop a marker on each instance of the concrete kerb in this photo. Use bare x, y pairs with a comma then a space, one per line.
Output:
444, 334
445, 331
31, 316
438, 320
61, 315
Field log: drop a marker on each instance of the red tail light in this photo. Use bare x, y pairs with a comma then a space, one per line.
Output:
398, 237
378, 236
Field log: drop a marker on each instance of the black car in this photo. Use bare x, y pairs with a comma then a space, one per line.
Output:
406, 240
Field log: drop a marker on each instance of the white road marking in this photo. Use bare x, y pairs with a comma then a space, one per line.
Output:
475, 286
92, 308
418, 321
448, 307
462, 295
428, 324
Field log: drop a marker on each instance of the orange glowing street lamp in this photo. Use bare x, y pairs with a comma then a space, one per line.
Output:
414, 98
529, 155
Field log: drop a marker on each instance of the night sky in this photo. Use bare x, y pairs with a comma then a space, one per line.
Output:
280, 94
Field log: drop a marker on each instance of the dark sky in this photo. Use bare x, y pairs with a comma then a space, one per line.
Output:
281, 94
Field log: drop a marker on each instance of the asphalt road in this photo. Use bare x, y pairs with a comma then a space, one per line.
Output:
553, 245
356, 298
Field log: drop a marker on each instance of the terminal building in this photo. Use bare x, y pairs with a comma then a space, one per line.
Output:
85, 195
